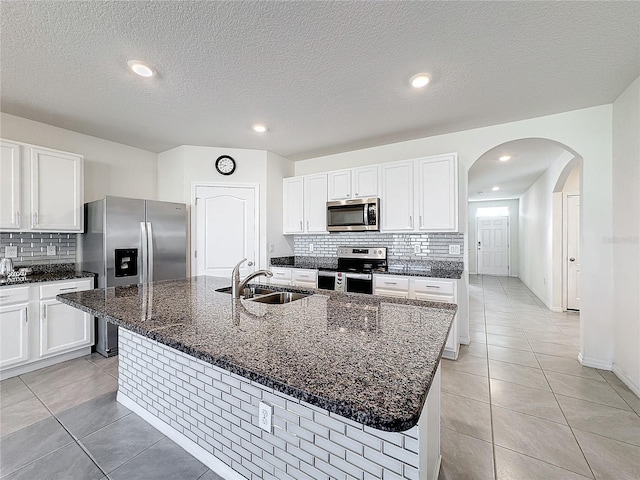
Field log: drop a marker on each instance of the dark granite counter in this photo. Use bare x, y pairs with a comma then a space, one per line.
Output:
368, 358
46, 273
411, 268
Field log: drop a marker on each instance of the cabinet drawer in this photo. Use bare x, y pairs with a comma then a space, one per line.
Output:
14, 295
53, 289
390, 282
434, 286
281, 273
305, 275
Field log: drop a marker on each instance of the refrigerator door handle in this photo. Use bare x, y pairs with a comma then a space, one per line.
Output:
149, 252
143, 252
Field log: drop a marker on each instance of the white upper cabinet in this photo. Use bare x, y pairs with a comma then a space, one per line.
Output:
315, 203
293, 205
56, 191
396, 196
365, 182
340, 185
10, 185
41, 189
305, 204
355, 183
437, 193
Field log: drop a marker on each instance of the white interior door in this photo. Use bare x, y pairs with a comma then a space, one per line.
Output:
573, 252
226, 230
493, 246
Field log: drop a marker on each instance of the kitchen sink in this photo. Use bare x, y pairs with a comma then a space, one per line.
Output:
249, 292
279, 298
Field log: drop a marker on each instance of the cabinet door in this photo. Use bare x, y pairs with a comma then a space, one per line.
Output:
292, 208
56, 191
396, 202
437, 186
10, 185
365, 182
315, 203
63, 328
340, 185
14, 335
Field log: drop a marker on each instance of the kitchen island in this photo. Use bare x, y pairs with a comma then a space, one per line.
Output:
351, 381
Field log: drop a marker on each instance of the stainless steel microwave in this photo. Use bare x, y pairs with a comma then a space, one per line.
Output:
357, 215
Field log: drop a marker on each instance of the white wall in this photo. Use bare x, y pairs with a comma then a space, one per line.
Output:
537, 231
514, 246
179, 169
109, 168
626, 234
589, 133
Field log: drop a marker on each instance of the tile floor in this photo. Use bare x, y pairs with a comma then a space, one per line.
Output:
516, 405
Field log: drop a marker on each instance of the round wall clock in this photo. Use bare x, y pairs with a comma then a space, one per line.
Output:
225, 165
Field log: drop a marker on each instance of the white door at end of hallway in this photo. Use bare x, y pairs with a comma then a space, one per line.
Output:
226, 227
573, 252
493, 246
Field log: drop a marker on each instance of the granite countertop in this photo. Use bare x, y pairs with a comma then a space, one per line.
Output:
368, 358
46, 273
431, 269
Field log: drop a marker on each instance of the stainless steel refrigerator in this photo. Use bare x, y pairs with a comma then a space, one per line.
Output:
131, 241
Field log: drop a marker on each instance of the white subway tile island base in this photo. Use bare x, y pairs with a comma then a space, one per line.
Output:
352, 382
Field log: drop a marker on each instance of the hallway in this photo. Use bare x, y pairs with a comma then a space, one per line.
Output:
518, 405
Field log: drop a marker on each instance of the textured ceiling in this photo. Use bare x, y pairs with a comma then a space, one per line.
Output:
530, 158
324, 76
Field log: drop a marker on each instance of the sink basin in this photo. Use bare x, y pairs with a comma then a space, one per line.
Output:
279, 298
248, 292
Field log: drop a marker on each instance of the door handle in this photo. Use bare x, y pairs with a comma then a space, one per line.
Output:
250, 264
572, 259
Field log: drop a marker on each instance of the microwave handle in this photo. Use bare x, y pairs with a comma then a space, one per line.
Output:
366, 214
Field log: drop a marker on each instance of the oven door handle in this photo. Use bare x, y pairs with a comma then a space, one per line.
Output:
359, 276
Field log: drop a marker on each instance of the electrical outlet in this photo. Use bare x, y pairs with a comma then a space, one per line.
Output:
417, 248
311, 247
272, 248
51, 249
264, 416
454, 249
11, 252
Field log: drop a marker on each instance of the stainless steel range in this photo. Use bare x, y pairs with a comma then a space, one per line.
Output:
356, 266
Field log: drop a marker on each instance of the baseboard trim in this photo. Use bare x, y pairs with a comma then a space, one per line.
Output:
465, 340
625, 378
193, 448
436, 471
557, 310
45, 362
594, 362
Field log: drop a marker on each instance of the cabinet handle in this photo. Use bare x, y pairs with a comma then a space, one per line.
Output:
411, 221
432, 286
68, 288
348, 195
44, 312
307, 224
390, 283
420, 220
26, 315
18, 218
357, 194
300, 225
35, 219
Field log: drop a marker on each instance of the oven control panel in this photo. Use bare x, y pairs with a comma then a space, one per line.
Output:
368, 253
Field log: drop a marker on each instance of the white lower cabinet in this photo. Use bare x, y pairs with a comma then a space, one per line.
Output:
37, 330
305, 278
421, 288
281, 276
14, 335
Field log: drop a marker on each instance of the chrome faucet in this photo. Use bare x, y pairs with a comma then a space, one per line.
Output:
237, 285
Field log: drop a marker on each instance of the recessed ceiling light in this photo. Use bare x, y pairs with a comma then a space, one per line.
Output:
258, 127
141, 69
495, 189
505, 158
420, 80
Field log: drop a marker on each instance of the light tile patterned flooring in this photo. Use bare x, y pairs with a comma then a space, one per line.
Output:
516, 405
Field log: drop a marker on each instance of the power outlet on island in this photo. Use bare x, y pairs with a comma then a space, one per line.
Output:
454, 249
11, 252
311, 247
51, 250
264, 416
417, 248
